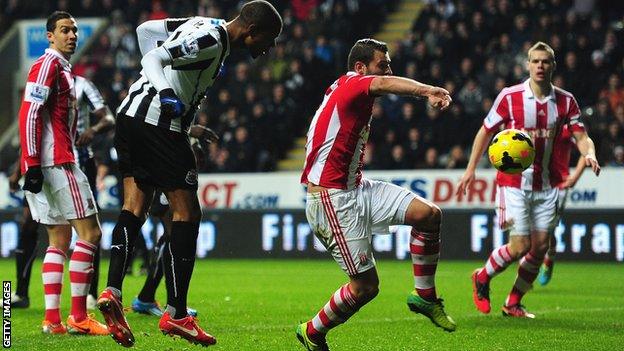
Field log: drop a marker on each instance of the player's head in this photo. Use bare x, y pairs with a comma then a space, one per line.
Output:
62, 32
369, 57
541, 62
262, 24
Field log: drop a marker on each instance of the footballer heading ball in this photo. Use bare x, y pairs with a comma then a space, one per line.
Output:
511, 151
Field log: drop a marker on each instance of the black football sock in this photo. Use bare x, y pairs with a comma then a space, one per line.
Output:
124, 235
179, 260
93, 289
25, 255
154, 274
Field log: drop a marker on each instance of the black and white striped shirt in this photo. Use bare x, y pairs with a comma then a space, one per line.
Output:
88, 99
196, 50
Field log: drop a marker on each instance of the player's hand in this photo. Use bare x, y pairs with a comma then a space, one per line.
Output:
170, 104
206, 134
439, 98
33, 180
465, 182
569, 183
85, 138
590, 161
14, 182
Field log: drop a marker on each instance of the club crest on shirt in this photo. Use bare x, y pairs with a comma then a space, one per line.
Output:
191, 177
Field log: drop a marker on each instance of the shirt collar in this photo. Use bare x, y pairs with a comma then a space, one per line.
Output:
58, 54
528, 92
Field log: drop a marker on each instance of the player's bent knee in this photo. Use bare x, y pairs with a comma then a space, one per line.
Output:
365, 293
426, 219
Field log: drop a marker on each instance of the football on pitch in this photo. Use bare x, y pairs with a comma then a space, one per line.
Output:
511, 151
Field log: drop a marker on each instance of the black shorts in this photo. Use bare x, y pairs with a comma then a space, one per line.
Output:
90, 170
154, 156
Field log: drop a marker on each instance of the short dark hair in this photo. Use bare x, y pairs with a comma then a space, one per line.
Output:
364, 50
54, 17
263, 15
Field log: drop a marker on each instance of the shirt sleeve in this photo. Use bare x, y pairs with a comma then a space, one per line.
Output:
574, 117
93, 96
188, 47
499, 113
360, 85
39, 86
151, 34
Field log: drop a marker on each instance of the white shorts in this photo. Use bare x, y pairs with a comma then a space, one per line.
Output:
522, 211
65, 195
344, 220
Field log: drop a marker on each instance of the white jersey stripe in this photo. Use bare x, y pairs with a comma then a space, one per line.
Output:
332, 131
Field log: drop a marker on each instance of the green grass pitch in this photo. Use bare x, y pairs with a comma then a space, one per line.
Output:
256, 305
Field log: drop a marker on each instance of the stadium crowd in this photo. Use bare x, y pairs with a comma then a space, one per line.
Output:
473, 51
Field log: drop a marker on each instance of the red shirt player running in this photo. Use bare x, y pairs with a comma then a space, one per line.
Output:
57, 191
344, 209
527, 202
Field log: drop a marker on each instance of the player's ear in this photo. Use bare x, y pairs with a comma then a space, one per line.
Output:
50, 37
360, 67
252, 30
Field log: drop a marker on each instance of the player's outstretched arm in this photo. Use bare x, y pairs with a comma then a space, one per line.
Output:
586, 146
383, 85
478, 148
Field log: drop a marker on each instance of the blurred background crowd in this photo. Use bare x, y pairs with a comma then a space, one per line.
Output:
472, 48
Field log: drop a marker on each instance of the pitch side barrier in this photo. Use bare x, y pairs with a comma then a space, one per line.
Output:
583, 235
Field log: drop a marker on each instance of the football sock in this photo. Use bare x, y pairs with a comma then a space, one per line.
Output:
124, 235
527, 272
179, 260
52, 274
425, 252
80, 274
95, 279
496, 263
336, 311
25, 254
155, 273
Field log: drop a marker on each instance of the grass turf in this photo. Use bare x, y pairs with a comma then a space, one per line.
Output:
256, 305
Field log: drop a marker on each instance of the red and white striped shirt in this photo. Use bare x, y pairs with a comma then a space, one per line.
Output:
47, 117
517, 107
338, 134
561, 156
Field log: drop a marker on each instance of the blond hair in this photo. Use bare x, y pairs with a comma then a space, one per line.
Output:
541, 46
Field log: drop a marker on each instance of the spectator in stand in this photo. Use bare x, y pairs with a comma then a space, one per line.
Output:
618, 157
614, 92
431, 160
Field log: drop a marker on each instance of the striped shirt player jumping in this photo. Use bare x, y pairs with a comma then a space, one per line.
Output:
527, 202
344, 209
182, 58
57, 191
